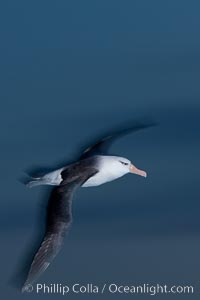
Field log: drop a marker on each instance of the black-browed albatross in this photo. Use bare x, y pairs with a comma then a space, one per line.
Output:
93, 168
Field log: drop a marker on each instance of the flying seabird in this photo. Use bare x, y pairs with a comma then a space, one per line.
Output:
93, 168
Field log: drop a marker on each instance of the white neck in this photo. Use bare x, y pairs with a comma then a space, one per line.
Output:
109, 169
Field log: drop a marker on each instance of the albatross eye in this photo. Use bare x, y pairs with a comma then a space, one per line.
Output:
123, 163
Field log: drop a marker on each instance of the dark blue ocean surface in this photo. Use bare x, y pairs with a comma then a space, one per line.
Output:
70, 70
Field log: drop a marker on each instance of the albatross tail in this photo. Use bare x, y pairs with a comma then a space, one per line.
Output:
52, 178
35, 181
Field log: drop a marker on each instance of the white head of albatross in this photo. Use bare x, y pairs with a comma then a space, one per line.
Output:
111, 168
128, 167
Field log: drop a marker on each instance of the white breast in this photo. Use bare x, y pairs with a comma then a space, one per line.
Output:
109, 169
99, 179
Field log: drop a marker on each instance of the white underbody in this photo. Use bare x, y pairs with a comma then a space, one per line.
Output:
53, 178
100, 178
109, 170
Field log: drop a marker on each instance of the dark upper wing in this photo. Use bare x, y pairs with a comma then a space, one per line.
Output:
102, 145
59, 217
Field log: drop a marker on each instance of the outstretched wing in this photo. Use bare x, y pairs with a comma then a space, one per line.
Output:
59, 217
102, 145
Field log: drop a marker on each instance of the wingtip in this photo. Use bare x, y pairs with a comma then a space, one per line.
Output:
146, 123
23, 289
27, 286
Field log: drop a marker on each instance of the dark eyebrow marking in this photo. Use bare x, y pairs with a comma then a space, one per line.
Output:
124, 163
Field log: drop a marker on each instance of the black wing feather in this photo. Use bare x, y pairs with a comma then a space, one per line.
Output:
59, 218
102, 145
